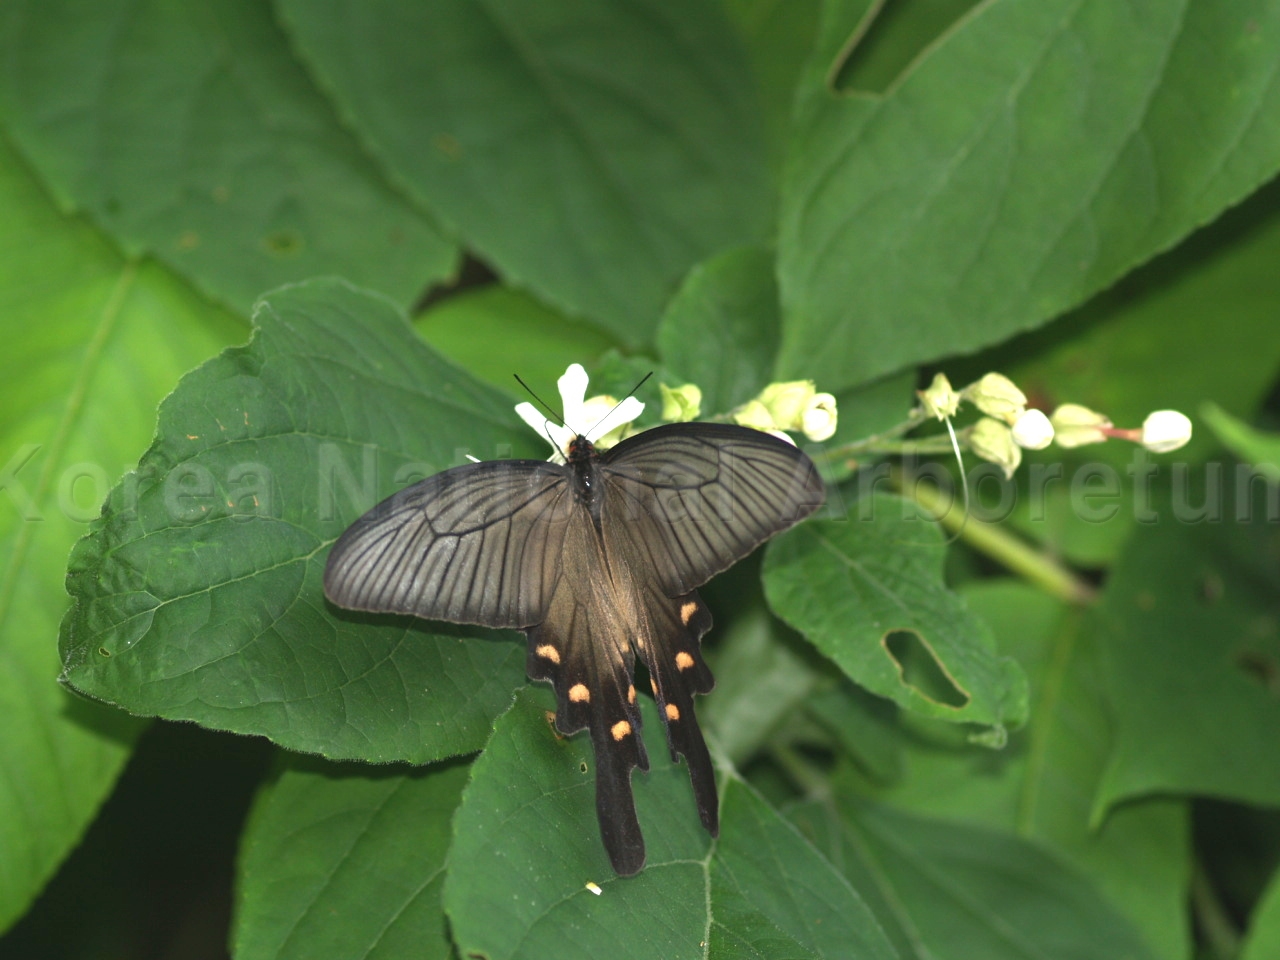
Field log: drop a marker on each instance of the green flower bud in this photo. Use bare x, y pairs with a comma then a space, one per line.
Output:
991, 440
681, 404
1076, 426
787, 402
939, 400
755, 415
996, 396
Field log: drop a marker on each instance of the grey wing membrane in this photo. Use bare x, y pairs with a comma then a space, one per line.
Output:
476, 544
689, 500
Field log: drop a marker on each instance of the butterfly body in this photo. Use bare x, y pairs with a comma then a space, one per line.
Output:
598, 561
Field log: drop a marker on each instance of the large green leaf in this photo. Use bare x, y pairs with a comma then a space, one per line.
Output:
190, 132
1035, 154
92, 343
949, 892
346, 861
199, 597
592, 152
1042, 786
526, 845
867, 591
1192, 653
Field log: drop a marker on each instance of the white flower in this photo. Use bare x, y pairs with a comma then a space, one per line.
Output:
1032, 430
599, 419
819, 419
1165, 430
996, 396
1075, 425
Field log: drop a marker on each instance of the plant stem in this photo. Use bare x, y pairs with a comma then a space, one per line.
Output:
1003, 547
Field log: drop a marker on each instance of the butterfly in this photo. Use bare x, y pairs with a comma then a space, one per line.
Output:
598, 560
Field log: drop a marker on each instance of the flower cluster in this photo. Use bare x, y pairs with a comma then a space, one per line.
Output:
1008, 426
604, 420
795, 405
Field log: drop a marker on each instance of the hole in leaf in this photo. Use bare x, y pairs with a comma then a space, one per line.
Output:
283, 243
919, 668
900, 32
582, 767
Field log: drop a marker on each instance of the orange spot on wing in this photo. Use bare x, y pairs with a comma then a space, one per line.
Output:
683, 660
548, 652
631, 694
579, 693
620, 729
687, 611
673, 712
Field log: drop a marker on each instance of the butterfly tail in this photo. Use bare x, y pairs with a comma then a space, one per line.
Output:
594, 690
673, 655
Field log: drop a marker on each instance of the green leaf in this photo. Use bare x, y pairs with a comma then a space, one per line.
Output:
91, 345
778, 37
1252, 446
346, 861
867, 591
947, 891
1192, 656
526, 844
1041, 786
199, 596
494, 332
190, 133
720, 330
1263, 942
591, 152
988, 190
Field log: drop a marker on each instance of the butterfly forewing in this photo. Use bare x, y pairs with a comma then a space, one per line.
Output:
476, 544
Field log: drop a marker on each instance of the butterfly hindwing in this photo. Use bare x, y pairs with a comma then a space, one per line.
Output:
476, 544
672, 653
584, 650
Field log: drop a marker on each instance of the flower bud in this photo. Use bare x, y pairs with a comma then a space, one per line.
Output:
819, 419
1165, 430
1032, 430
1076, 426
681, 404
787, 402
939, 400
755, 415
991, 440
996, 396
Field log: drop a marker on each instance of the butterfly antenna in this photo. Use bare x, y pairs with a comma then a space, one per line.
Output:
630, 393
542, 403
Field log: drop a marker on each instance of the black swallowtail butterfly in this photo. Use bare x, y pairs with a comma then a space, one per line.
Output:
597, 560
